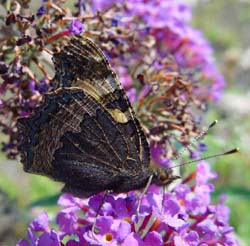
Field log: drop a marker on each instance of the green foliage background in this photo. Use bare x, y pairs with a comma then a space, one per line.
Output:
226, 24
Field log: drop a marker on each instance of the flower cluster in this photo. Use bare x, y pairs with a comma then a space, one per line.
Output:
182, 217
169, 22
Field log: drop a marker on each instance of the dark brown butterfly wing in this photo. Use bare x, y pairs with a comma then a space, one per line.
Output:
85, 133
82, 64
73, 139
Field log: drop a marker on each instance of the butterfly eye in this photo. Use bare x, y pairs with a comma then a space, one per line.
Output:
163, 177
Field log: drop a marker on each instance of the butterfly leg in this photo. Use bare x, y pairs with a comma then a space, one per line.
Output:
164, 189
142, 195
106, 192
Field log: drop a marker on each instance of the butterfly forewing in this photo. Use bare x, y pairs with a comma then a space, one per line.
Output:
82, 64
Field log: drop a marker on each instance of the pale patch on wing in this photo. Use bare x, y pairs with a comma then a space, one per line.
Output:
89, 89
118, 115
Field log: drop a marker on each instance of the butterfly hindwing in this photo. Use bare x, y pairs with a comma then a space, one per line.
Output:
73, 139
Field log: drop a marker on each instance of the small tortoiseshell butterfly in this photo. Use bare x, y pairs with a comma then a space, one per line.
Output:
85, 133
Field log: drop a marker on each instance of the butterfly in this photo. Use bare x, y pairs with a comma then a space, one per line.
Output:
85, 133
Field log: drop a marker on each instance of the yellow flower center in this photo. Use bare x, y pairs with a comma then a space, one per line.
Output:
127, 219
108, 237
181, 202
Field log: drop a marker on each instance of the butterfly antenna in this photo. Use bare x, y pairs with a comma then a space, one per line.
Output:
229, 152
213, 124
194, 140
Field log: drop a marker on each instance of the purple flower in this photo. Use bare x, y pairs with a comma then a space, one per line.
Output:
95, 201
190, 239
112, 232
66, 219
131, 93
49, 239
194, 155
68, 201
41, 223
132, 239
76, 27
23, 242
32, 87
229, 240
201, 198
208, 230
171, 215
174, 32
127, 83
125, 78
158, 154
152, 239
124, 207
202, 147
103, 5
175, 217
204, 173
41, 11
144, 92
43, 86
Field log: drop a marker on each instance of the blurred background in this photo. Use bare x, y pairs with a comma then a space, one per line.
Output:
226, 24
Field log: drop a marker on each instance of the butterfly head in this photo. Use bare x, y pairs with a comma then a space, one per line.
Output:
164, 176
